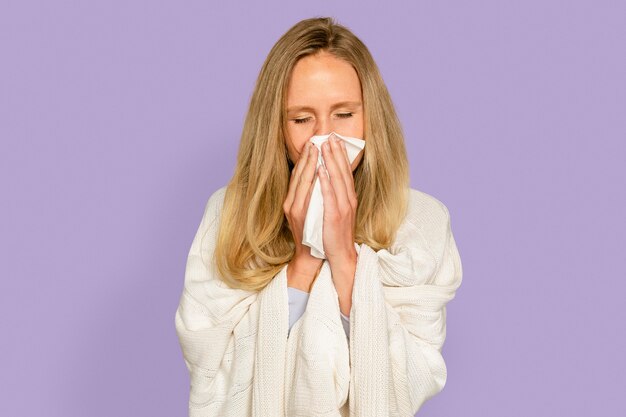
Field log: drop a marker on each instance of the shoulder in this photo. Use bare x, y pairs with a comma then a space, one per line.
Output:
206, 234
213, 206
425, 208
428, 214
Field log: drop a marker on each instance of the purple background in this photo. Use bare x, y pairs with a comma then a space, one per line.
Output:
119, 119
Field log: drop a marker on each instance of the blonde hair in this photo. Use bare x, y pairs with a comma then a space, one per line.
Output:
254, 242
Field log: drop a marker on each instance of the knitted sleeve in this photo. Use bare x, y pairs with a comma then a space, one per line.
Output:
398, 315
210, 321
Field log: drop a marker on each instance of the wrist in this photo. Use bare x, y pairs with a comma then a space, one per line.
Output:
345, 263
301, 274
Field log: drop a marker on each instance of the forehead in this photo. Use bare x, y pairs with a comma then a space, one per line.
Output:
322, 78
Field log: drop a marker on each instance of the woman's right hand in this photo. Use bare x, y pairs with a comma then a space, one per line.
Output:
303, 267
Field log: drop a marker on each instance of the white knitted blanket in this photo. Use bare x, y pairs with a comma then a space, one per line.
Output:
242, 363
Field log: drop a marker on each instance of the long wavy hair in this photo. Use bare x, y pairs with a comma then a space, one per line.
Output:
254, 242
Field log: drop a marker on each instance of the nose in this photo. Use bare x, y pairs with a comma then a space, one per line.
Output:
324, 126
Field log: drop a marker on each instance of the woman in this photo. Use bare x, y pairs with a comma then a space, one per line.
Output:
367, 339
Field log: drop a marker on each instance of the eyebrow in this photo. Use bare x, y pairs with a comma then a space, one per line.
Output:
334, 106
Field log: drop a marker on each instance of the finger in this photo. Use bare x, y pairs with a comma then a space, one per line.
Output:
330, 202
306, 179
343, 161
344, 150
349, 177
334, 171
308, 196
295, 175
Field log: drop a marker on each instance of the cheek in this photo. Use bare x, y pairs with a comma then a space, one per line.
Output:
357, 127
296, 142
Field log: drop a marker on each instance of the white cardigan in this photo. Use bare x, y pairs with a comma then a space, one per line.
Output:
242, 362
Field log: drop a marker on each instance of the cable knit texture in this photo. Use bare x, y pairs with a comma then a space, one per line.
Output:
244, 361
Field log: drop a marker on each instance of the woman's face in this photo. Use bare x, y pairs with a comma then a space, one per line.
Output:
324, 95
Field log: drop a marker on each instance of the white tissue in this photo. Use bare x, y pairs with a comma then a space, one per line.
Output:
314, 220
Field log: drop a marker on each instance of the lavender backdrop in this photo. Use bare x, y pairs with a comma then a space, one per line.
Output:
119, 119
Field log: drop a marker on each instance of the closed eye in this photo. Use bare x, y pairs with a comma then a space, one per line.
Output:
306, 119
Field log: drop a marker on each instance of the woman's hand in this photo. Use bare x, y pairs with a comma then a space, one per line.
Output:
340, 204
303, 268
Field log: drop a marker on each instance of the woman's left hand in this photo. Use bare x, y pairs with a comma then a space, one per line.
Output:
340, 204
